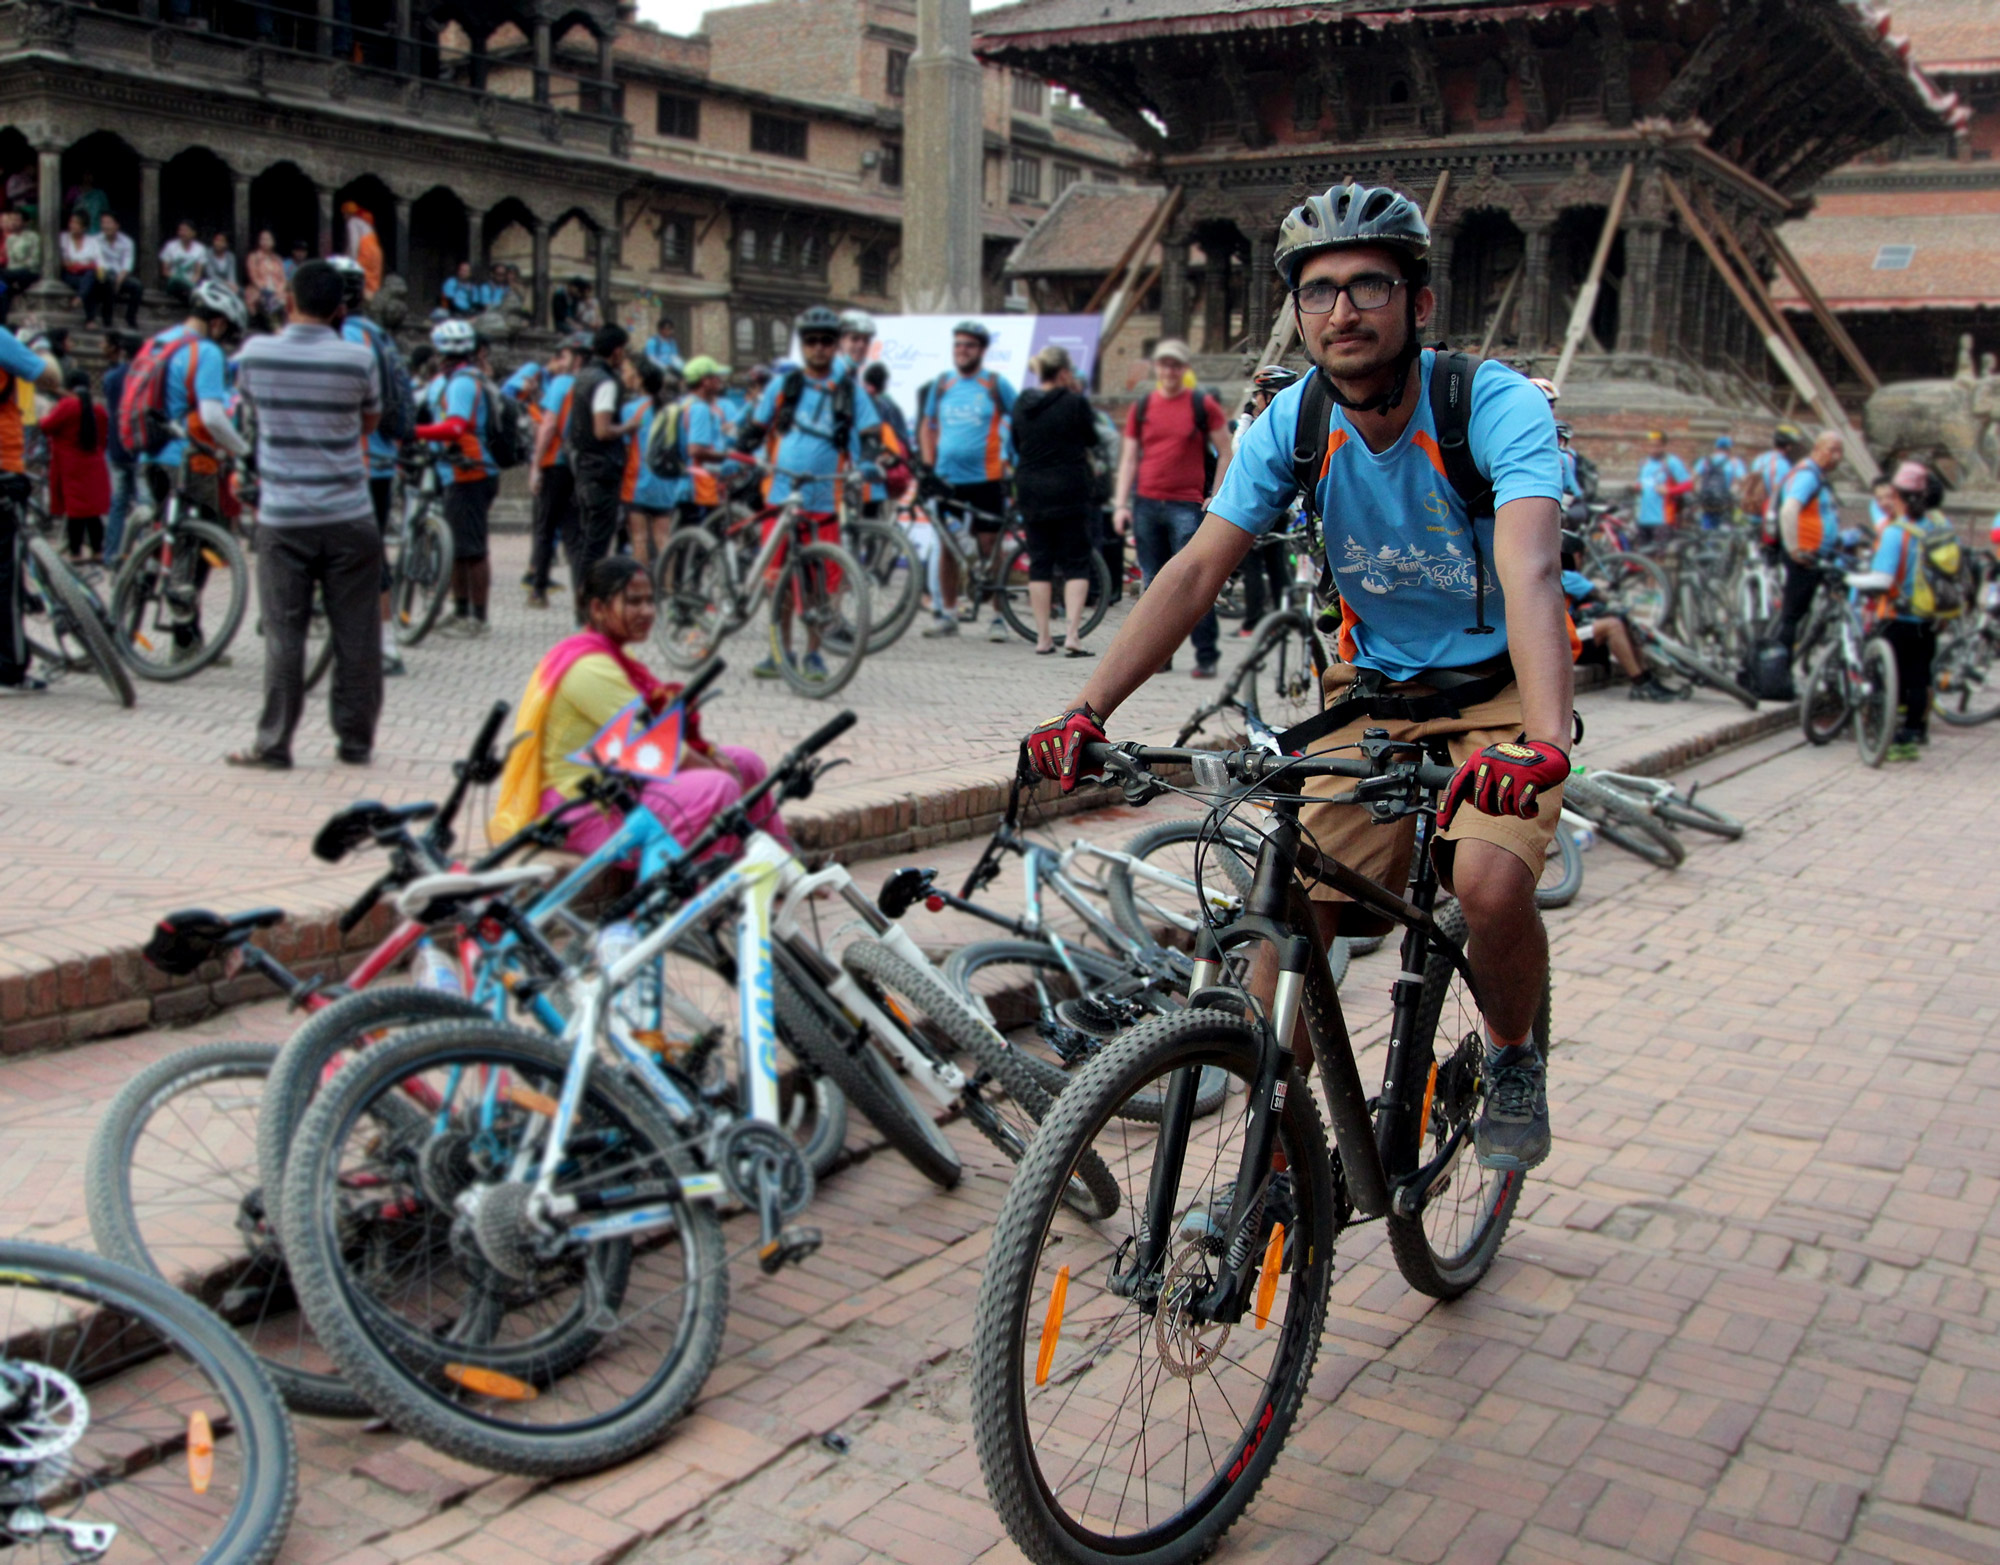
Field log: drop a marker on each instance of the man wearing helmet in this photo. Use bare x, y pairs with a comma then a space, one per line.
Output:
857, 336
1768, 472
965, 436
468, 497
1444, 631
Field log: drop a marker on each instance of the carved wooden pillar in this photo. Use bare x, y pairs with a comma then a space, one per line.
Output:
1257, 285
244, 240
1638, 298
1174, 286
604, 251
475, 243
1216, 285
1532, 313
475, 66
324, 193
50, 198
149, 219
543, 46
1667, 310
1441, 248
398, 258
323, 34
406, 47
540, 235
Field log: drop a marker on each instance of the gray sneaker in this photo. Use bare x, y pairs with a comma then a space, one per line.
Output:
475, 628
940, 627
1513, 1130
998, 631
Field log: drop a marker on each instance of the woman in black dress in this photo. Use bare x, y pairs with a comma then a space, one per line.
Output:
1053, 435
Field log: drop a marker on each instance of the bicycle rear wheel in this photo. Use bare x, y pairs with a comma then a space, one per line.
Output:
1624, 820
1207, 862
820, 619
1085, 1463
1967, 689
1562, 871
1823, 709
1875, 711
1011, 596
422, 579
1636, 587
135, 1410
1447, 1247
895, 579
179, 601
1702, 817
1685, 661
78, 627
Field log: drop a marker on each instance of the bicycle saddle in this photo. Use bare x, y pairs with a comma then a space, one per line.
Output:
434, 898
183, 940
347, 829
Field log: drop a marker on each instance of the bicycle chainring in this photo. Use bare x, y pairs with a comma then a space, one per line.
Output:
43, 1416
753, 1157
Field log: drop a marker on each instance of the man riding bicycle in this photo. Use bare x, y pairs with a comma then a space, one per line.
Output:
1443, 632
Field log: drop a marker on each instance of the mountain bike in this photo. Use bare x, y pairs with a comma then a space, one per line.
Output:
1667, 653
133, 1426
420, 553
1632, 582
69, 630
817, 593
1277, 685
179, 598
1135, 1378
1853, 677
943, 528
1966, 687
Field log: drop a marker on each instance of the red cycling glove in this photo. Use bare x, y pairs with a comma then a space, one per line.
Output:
1054, 747
1505, 779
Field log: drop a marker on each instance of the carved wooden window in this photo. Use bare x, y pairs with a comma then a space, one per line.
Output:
1067, 174
743, 334
677, 244
1582, 82
746, 246
1025, 179
891, 166
1492, 90
677, 116
1307, 104
875, 271
1029, 92
899, 72
1398, 109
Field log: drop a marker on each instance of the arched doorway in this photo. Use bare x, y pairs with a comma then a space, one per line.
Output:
572, 257
107, 163
1572, 244
197, 187
373, 197
286, 202
438, 235
1486, 255
574, 47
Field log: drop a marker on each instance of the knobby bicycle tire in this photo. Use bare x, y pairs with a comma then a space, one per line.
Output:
320, 655
133, 593
880, 546
1453, 1096
1687, 661
1965, 672
1623, 820
1004, 1349
403, 1385
1702, 817
1012, 554
1094, 1193
1286, 658
79, 605
869, 1083
1823, 708
422, 578
691, 586
251, 1417
814, 580
1875, 715
1566, 854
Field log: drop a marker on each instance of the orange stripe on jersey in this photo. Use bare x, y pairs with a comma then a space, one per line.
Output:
1812, 527
1334, 442
555, 446
631, 485
1575, 641
1429, 447
1348, 620
995, 466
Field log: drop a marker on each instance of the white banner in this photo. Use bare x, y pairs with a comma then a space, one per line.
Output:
917, 348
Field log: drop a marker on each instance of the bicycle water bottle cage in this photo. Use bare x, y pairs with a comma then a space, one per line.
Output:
903, 890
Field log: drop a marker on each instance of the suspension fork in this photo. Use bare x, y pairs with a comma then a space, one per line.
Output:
1396, 1106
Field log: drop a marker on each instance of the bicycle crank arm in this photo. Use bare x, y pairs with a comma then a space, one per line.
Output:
1413, 1191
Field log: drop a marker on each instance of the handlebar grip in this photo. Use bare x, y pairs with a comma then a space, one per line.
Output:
826, 733
365, 905
482, 747
705, 676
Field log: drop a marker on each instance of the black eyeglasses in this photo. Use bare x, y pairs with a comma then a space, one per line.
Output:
1371, 292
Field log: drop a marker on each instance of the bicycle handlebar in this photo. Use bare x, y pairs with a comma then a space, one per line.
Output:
1380, 758
697, 687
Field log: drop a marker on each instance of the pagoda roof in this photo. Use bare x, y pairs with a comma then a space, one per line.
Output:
1086, 231
1950, 37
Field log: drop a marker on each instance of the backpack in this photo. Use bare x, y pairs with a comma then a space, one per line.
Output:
1711, 487
142, 411
1200, 411
1940, 587
792, 390
666, 450
507, 442
399, 394
1451, 412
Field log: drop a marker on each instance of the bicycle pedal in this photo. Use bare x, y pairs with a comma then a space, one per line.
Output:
792, 1245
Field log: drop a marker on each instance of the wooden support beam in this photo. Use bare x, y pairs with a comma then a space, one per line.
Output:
1435, 203
1829, 410
1828, 321
1586, 299
1128, 304
1500, 315
1142, 241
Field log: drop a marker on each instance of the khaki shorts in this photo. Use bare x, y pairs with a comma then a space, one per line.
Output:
1382, 852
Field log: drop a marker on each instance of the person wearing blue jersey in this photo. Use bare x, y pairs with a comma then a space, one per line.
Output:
1766, 480
460, 294
651, 502
460, 429
1453, 624
664, 346
1663, 479
551, 484
965, 436
18, 364
1718, 481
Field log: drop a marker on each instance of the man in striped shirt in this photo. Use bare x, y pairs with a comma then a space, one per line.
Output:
315, 397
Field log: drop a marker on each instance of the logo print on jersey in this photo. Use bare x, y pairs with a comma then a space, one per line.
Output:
1395, 568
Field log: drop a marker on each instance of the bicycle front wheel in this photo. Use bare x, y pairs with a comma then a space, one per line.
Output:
422, 578
820, 619
1447, 1247
1624, 820
1087, 1458
895, 579
1012, 594
1967, 686
1286, 681
691, 584
79, 628
179, 601
1875, 711
1823, 710
1562, 871
1686, 661
130, 1407
1702, 817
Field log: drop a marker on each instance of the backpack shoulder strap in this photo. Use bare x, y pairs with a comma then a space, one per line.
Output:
1309, 442
991, 382
1451, 413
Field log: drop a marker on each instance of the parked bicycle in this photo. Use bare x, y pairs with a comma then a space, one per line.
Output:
944, 529
69, 629
1966, 682
180, 596
1853, 676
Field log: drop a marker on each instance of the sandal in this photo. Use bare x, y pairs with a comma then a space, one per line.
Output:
257, 760
1078, 652
1042, 652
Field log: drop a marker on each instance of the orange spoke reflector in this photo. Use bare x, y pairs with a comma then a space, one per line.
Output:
215, 561
527, 1098
490, 1383
201, 1452
1430, 1091
1267, 1279
1052, 1327
895, 1010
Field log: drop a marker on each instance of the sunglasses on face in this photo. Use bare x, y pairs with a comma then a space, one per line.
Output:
1371, 292
818, 339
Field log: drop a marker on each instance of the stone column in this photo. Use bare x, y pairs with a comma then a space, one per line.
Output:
323, 34
1215, 289
245, 242
540, 235
1532, 308
1667, 311
149, 221
476, 65
406, 48
1637, 300
944, 164
1441, 248
324, 195
1173, 287
542, 58
475, 242
604, 251
50, 198
1257, 295
398, 258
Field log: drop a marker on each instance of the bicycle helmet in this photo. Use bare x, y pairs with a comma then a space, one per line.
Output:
1788, 435
819, 318
858, 323
1546, 387
975, 330
353, 281
1273, 378
455, 339
1350, 217
214, 298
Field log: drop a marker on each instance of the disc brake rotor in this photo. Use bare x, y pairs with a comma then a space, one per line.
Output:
1187, 1346
44, 1416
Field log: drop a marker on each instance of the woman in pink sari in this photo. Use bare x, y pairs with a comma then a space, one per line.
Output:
582, 683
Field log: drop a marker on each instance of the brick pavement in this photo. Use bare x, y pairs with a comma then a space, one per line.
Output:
112, 818
1742, 1317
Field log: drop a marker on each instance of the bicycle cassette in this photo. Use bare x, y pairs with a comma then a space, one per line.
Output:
753, 1157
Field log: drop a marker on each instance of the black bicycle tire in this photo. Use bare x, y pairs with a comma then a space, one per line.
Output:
1700, 817
78, 602
871, 1086
214, 643
1567, 850
1879, 709
399, 1393
424, 530
1006, 1291
886, 621
1974, 630
1422, 1268
1826, 667
697, 542
322, 658
829, 557
1118, 885
1274, 640
270, 1491
1097, 602
1096, 1192
1687, 661
1626, 822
